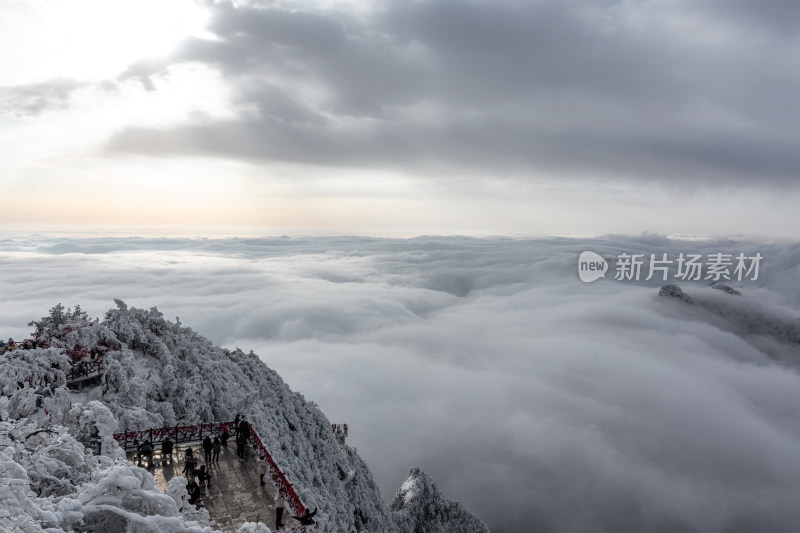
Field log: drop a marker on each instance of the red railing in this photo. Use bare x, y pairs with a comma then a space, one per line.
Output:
291, 494
194, 433
178, 434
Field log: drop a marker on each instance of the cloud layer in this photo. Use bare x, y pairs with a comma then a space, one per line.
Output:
537, 400
653, 91
472, 117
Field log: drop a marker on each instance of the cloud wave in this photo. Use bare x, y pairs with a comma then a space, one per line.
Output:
541, 402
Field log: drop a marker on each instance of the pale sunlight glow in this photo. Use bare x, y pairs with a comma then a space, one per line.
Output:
91, 39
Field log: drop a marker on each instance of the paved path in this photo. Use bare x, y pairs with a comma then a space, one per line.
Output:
235, 495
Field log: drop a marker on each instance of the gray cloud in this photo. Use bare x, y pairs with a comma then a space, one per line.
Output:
539, 401
773, 17
641, 91
37, 98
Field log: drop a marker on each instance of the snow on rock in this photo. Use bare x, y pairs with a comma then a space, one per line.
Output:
254, 527
771, 329
673, 291
419, 507
49, 482
726, 288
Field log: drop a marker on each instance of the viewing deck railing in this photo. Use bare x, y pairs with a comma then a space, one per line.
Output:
85, 370
196, 433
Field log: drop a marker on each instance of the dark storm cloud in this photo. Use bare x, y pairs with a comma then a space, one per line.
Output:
700, 91
37, 98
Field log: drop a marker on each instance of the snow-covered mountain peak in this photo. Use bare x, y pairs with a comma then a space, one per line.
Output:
419, 507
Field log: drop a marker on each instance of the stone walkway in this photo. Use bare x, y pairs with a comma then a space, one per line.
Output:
235, 495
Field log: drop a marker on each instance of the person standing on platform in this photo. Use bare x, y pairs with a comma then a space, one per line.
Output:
242, 434
166, 451
216, 447
190, 463
224, 438
207, 447
279, 509
262, 470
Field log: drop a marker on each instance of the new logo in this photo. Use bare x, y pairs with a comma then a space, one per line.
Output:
591, 266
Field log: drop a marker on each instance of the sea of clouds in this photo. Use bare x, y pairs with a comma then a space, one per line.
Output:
541, 402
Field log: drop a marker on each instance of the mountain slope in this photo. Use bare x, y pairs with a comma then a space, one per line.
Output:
159, 373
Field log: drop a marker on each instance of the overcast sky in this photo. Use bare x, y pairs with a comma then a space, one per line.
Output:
403, 117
